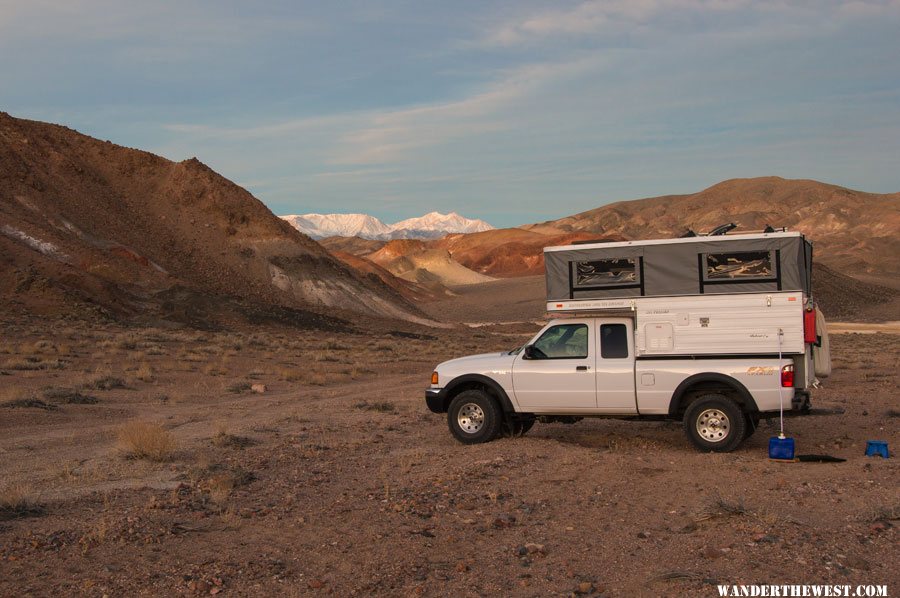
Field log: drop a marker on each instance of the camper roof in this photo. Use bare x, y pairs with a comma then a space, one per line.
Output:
697, 239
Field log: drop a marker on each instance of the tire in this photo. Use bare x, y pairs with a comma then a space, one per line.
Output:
715, 423
474, 417
518, 427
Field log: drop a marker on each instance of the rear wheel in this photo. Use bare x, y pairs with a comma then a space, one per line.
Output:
715, 423
474, 417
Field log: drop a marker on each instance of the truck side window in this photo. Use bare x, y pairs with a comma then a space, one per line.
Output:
613, 341
564, 341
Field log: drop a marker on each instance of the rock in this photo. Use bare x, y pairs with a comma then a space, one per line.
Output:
711, 552
504, 520
258, 388
879, 526
855, 562
643, 535
316, 584
461, 567
532, 548
201, 587
585, 587
765, 539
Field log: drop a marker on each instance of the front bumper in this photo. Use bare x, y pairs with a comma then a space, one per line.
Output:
434, 398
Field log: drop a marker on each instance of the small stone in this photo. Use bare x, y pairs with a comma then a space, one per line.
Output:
855, 562
316, 584
711, 552
532, 548
201, 587
879, 526
643, 535
504, 520
585, 587
765, 539
258, 388
215, 590
461, 567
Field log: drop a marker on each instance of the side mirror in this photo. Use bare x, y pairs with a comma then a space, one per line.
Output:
529, 352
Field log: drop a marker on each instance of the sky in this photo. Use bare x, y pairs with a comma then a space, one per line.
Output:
510, 111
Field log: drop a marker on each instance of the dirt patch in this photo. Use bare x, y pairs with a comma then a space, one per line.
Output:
349, 485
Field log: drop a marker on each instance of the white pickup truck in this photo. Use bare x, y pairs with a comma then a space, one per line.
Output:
719, 360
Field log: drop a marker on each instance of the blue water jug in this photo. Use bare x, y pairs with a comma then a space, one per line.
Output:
781, 448
877, 448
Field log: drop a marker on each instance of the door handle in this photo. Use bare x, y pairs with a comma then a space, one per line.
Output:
582, 368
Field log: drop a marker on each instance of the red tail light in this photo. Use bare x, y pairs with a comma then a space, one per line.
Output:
787, 376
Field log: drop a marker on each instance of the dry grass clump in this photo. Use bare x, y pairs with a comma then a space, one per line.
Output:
16, 501
30, 402
69, 396
381, 406
145, 373
34, 364
239, 387
291, 374
215, 369
105, 383
223, 439
143, 440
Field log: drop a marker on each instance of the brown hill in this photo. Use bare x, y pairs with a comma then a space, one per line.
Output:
352, 245
85, 222
509, 252
853, 231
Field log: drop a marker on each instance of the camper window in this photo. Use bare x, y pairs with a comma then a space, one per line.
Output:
609, 272
739, 266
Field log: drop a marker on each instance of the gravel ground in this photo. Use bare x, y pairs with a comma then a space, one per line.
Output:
345, 484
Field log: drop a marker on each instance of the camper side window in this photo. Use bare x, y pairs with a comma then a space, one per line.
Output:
739, 266
609, 272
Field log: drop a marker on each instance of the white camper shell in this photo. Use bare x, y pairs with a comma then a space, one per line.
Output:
718, 331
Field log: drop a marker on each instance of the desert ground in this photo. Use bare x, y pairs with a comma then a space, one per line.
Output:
143, 461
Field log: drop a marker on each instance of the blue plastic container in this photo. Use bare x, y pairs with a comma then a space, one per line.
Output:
781, 448
877, 448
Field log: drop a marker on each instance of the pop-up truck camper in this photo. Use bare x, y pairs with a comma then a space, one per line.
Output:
717, 331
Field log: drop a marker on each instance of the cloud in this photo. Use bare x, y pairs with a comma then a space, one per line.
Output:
389, 136
615, 16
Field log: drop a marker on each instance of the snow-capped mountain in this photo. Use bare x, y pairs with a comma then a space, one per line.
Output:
430, 226
319, 226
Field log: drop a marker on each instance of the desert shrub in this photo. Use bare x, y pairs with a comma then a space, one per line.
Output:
16, 501
105, 383
143, 440
382, 406
69, 396
34, 364
145, 373
239, 387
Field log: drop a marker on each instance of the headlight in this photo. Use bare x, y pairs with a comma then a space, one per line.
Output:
434, 378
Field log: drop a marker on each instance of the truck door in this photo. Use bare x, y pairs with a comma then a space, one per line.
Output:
615, 366
558, 375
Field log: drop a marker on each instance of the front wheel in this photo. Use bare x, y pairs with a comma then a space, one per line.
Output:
474, 417
715, 423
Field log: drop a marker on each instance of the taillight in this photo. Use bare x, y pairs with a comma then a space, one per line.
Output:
434, 377
787, 376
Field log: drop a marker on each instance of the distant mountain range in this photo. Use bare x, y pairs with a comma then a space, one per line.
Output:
430, 226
